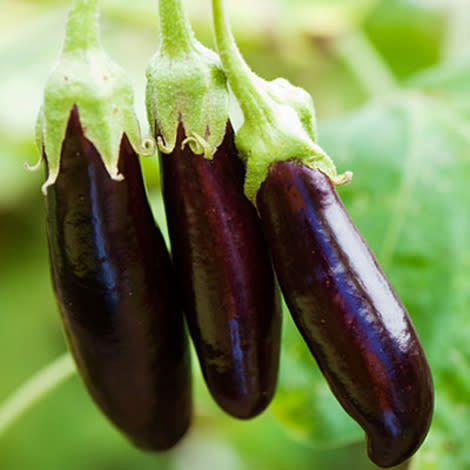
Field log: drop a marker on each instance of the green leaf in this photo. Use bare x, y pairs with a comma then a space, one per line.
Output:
449, 82
409, 35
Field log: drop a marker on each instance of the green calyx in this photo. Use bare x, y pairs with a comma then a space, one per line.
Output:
87, 78
281, 137
284, 93
185, 85
279, 120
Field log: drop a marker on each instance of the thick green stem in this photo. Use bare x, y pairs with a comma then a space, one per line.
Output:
34, 389
176, 34
82, 32
241, 78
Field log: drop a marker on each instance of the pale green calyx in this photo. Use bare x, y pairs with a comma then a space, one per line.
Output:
282, 136
284, 93
185, 86
279, 120
86, 77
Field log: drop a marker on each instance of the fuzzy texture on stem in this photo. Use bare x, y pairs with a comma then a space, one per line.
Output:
176, 34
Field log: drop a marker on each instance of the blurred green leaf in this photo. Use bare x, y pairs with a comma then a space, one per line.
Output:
409, 34
449, 82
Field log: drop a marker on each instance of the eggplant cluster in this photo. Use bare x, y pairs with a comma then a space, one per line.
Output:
120, 299
350, 317
124, 300
121, 302
346, 310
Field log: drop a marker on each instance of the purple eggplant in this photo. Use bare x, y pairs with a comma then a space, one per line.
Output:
345, 308
225, 273
115, 287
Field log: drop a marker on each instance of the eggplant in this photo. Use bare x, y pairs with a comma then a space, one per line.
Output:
116, 291
225, 274
353, 322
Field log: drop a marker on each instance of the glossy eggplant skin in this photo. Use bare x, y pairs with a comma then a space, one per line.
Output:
115, 288
225, 272
346, 310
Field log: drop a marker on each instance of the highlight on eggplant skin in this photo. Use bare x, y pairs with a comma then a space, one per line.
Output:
226, 277
115, 287
346, 310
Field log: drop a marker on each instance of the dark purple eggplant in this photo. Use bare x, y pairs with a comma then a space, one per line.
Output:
222, 262
115, 287
345, 308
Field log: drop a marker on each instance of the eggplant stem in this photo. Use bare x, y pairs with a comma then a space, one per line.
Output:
253, 101
176, 34
82, 31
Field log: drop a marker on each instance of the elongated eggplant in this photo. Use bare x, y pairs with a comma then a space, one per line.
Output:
115, 287
223, 266
345, 308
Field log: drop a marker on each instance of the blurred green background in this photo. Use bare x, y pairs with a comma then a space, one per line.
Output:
391, 83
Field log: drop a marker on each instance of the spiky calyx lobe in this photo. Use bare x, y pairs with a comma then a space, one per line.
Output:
86, 78
185, 85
